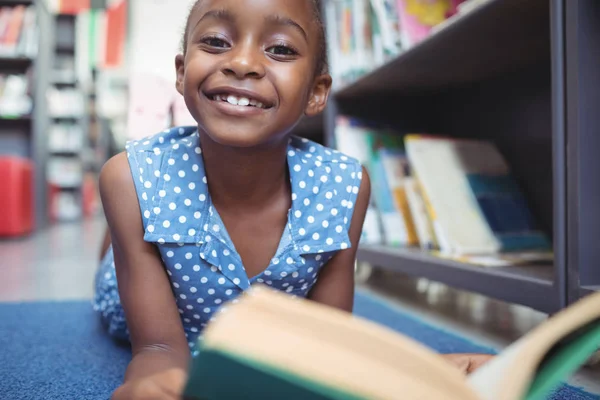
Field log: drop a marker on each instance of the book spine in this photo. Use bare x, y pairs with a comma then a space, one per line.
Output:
418, 210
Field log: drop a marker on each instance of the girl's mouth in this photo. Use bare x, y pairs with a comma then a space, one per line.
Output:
237, 100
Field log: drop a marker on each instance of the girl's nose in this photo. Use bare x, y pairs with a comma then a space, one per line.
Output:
246, 61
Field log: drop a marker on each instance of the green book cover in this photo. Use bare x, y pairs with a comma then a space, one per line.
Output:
221, 375
564, 360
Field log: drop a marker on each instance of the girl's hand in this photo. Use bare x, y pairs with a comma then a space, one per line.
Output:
467, 363
166, 385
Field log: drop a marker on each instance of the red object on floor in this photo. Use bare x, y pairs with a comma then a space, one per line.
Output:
89, 196
16, 196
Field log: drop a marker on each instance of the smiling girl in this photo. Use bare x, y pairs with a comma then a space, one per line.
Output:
199, 214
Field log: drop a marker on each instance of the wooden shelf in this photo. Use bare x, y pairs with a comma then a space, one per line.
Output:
16, 2
14, 64
530, 286
69, 188
15, 121
64, 84
73, 154
65, 118
64, 49
498, 37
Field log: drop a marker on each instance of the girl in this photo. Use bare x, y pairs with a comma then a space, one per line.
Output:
199, 214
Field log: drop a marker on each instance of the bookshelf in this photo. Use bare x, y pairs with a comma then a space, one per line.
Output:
67, 138
581, 122
15, 63
18, 2
24, 135
522, 75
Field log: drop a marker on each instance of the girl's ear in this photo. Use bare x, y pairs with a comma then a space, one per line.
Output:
179, 70
319, 95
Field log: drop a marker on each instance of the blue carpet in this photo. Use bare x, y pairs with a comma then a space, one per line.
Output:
59, 350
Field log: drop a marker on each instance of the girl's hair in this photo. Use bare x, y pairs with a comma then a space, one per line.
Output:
321, 67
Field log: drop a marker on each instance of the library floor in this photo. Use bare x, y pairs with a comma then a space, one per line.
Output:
59, 264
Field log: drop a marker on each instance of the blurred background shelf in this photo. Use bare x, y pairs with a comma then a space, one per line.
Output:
14, 64
16, 2
5, 121
25, 63
65, 153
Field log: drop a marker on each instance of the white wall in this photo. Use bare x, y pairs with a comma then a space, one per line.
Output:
155, 30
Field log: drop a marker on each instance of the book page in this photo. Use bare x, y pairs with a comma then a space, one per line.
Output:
488, 380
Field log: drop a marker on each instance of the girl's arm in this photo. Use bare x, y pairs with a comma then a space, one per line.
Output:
335, 286
157, 336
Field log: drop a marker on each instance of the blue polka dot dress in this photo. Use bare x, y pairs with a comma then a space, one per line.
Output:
204, 268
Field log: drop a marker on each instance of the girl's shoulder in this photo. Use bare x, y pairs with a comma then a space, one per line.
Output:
167, 158
323, 170
168, 175
325, 186
309, 149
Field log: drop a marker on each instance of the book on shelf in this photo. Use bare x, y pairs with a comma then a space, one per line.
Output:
65, 171
365, 34
362, 34
381, 152
418, 18
463, 8
276, 346
64, 68
65, 137
15, 96
476, 205
418, 211
65, 102
390, 169
18, 31
454, 197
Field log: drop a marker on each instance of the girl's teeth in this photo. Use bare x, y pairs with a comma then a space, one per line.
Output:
242, 101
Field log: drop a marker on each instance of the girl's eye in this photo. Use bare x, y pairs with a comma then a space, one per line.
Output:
215, 42
282, 50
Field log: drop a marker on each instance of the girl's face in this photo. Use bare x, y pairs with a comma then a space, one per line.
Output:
248, 74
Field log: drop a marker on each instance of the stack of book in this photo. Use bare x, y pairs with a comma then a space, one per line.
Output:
15, 97
455, 197
65, 138
65, 103
18, 31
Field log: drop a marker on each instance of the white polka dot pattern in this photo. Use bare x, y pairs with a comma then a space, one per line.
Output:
205, 270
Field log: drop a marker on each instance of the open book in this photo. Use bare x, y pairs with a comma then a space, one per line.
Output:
270, 345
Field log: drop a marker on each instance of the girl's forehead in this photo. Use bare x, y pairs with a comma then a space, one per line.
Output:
258, 10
